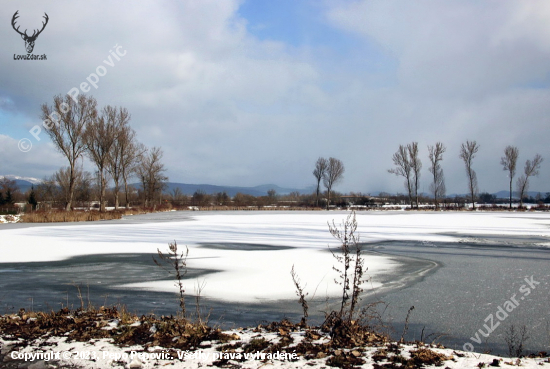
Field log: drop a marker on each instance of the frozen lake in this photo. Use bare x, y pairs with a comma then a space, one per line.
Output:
455, 268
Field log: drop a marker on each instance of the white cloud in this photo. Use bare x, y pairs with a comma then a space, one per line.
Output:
456, 48
41, 159
229, 108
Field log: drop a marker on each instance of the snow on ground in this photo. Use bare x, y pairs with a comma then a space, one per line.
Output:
9, 218
244, 274
102, 353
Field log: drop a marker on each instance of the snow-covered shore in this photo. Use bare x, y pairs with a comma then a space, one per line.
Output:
9, 218
102, 353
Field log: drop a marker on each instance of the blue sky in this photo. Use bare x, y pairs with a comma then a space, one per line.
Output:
298, 23
302, 25
252, 92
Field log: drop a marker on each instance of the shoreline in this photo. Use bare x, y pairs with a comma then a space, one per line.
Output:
124, 341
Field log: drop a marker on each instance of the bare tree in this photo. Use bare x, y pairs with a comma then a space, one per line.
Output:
319, 173
333, 174
66, 121
531, 170
8, 191
416, 166
177, 196
7, 184
150, 171
82, 187
48, 190
119, 151
222, 198
403, 168
272, 196
508, 162
63, 179
85, 189
201, 198
241, 199
438, 185
468, 151
100, 136
125, 155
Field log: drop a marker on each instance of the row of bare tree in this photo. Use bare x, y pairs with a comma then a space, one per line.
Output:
531, 169
408, 165
78, 128
331, 172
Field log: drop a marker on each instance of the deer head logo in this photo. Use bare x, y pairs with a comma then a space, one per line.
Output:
29, 40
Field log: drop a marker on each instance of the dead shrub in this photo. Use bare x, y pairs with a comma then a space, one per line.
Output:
424, 356
175, 263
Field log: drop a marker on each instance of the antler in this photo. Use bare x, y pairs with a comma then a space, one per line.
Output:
15, 16
34, 35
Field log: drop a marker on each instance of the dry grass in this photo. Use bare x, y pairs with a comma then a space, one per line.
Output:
55, 216
250, 208
107, 322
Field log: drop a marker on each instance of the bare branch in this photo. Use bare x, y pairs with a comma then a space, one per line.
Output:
467, 154
67, 121
403, 168
333, 174
301, 295
531, 170
175, 263
150, 171
319, 172
416, 166
438, 185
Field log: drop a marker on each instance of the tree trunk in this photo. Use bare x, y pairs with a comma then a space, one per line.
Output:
416, 190
510, 193
435, 190
317, 198
101, 191
521, 192
127, 205
472, 192
116, 191
72, 180
410, 192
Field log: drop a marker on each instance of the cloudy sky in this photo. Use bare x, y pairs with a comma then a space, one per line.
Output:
248, 92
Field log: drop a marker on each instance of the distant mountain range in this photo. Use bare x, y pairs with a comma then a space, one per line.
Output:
25, 183
23, 179
260, 190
